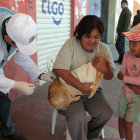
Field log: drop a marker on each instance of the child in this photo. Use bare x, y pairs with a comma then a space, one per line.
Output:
129, 100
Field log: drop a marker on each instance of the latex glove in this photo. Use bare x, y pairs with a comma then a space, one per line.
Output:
24, 87
49, 76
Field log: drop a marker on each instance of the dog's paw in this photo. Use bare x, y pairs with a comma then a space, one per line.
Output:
75, 99
90, 96
93, 91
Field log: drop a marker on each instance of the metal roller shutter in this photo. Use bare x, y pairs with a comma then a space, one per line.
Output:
53, 29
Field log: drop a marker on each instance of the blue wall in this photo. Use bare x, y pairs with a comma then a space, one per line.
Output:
95, 7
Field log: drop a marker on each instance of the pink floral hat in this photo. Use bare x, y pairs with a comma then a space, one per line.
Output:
133, 34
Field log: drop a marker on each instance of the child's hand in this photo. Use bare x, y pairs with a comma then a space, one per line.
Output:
120, 75
135, 88
131, 86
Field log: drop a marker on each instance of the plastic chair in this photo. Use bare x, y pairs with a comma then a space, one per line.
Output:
50, 62
54, 116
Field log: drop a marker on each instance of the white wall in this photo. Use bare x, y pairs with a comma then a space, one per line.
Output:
138, 1
114, 13
111, 22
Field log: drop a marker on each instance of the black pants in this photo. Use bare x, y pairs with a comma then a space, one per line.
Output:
120, 46
7, 127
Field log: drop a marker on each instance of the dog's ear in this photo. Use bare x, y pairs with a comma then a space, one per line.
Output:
96, 56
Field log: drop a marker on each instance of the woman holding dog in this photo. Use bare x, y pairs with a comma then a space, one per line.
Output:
76, 52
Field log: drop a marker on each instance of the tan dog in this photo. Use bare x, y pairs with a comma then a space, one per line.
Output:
60, 94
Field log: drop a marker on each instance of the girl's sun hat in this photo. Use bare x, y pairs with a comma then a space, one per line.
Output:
133, 34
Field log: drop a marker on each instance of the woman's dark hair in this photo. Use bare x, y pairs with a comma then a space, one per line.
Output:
4, 32
87, 24
124, 1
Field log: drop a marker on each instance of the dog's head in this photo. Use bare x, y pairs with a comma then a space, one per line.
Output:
101, 55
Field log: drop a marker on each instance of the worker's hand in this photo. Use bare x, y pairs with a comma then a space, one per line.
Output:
120, 75
49, 76
24, 87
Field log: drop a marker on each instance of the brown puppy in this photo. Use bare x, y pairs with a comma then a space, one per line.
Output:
60, 95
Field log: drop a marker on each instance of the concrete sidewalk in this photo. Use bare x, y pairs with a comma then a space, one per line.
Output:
32, 115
